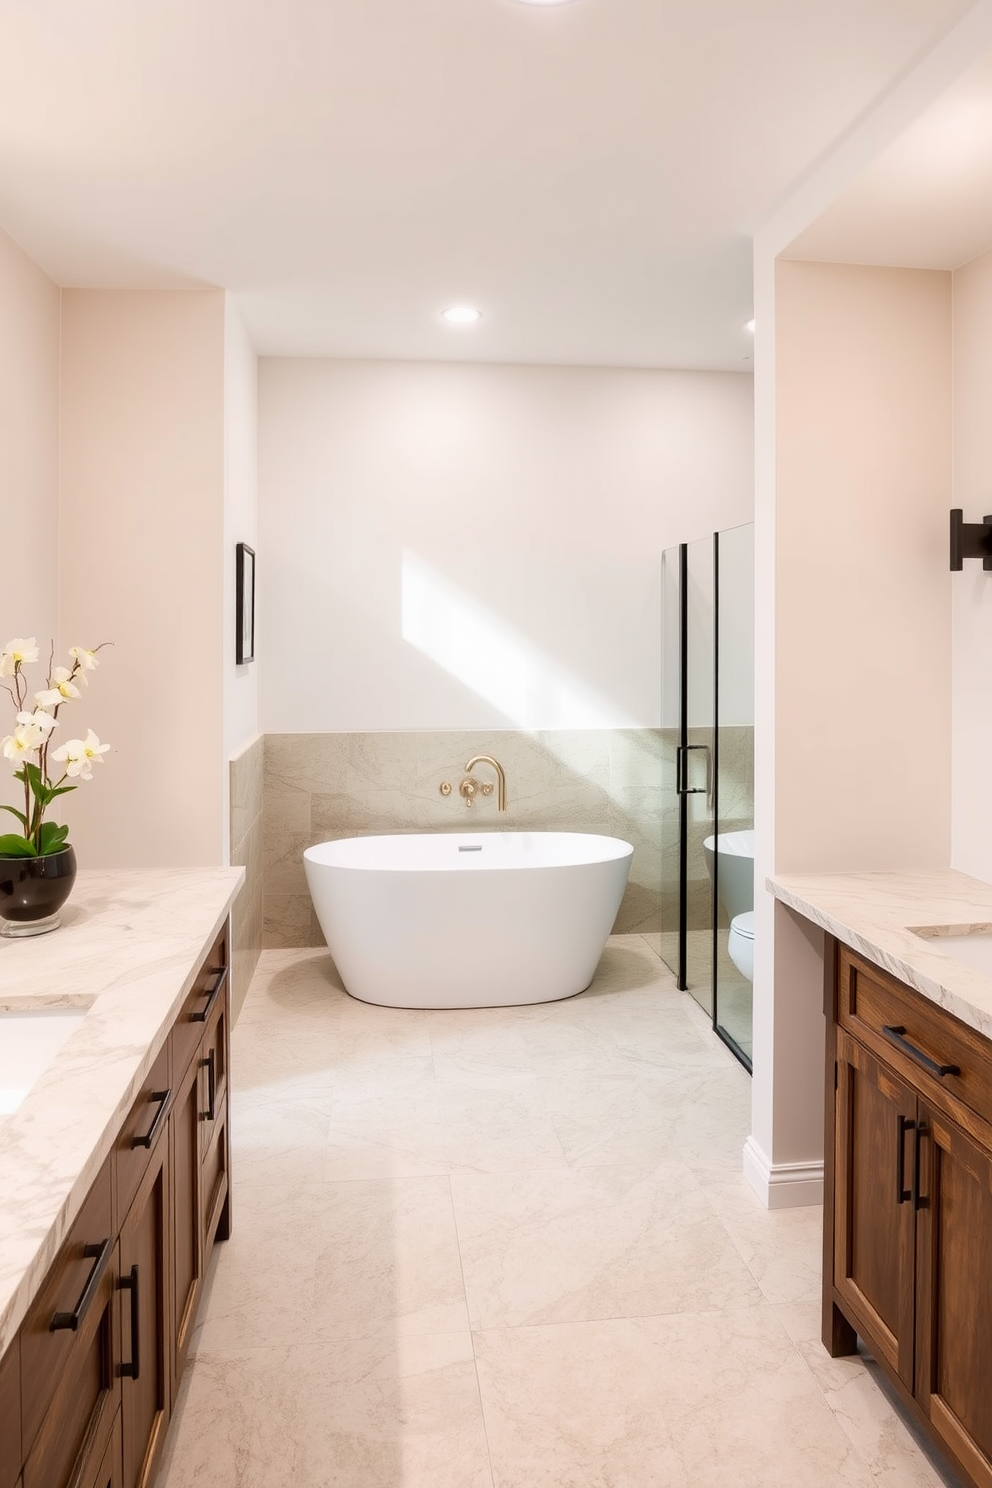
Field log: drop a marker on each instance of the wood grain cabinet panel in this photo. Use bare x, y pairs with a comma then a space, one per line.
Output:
187, 1223
145, 1127
908, 1212
10, 1416
874, 1220
146, 1352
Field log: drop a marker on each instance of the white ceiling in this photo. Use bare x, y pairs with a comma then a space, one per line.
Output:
926, 201
589, 175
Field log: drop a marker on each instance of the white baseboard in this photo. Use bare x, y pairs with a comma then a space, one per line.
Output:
782, 1185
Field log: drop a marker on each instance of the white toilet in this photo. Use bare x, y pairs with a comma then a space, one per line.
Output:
740, 943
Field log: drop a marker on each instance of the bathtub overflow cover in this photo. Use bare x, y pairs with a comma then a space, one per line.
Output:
476, 848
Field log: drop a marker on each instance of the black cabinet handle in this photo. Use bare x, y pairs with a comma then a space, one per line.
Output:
99, 1253
162, 1096
132, 1370
210, 1067
903, 1125
897, 1036
219, 974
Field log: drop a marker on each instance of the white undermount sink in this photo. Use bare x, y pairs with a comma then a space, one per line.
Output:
971, 948
29, 1042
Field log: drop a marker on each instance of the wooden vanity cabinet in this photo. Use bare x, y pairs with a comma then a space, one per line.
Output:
69, 1344
908, 1214
88, 1385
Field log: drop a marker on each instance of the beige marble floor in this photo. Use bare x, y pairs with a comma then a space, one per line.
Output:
511, 1248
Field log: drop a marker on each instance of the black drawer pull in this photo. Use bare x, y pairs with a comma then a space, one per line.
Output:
211, 994
132, 1370
903, 1125
99, 1254
897, 1036
162, 1096
209, 1065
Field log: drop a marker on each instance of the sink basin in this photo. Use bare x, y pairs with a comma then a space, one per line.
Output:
972, 949
29, 1041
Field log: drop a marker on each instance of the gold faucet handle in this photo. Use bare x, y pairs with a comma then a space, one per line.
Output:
488, 788
468, 789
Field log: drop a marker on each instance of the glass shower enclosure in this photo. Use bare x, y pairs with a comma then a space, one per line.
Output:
707, 750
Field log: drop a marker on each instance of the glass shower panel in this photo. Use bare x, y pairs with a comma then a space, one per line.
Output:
735, 788
697, 779
671, 738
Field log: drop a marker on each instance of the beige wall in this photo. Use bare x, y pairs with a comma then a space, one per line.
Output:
322, 786
471, 547
29, 449
862, 662
971, 590
141, 524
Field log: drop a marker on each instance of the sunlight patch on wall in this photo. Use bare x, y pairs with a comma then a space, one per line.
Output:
498, 663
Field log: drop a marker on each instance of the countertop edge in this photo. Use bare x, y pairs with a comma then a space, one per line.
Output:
918, 962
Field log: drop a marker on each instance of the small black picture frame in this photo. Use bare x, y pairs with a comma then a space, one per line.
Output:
245, 619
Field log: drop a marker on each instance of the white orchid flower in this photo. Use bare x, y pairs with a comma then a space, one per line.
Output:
40, 720
61, 690
85, 660
22, 742
18, 652
79, 755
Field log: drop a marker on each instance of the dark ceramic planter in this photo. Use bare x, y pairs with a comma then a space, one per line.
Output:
33, 890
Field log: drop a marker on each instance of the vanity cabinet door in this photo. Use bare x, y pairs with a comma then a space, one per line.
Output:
146, 1353
69, 1340
874, 1217
187, 1224
214, 1061
954, 1321
107, 1472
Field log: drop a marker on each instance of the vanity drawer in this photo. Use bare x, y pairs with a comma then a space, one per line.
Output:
916, 1037
206, 992
144, 1126
68, 1386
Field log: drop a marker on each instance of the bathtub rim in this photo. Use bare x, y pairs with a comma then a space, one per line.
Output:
312, 855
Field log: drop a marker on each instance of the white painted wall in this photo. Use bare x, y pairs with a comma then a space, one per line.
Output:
467, 546
853, 739
141, 528
29, 450
240, 721
971, 590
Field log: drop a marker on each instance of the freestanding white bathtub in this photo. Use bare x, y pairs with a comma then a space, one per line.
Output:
456, 920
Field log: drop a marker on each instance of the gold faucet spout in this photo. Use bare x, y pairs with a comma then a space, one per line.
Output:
487, 759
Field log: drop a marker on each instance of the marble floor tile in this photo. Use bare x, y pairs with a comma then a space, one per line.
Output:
666, 1402
897, 1454
388, 1259
781, 1248
566, 1180
557, 1246
362, 1413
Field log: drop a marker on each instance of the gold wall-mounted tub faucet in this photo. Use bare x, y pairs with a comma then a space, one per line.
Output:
487, 759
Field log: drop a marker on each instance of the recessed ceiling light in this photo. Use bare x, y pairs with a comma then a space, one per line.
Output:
461, 315
749, 325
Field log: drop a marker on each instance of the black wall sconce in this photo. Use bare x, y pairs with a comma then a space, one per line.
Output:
970, 540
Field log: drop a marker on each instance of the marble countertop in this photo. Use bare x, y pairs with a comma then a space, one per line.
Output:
127, 950
876, 914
